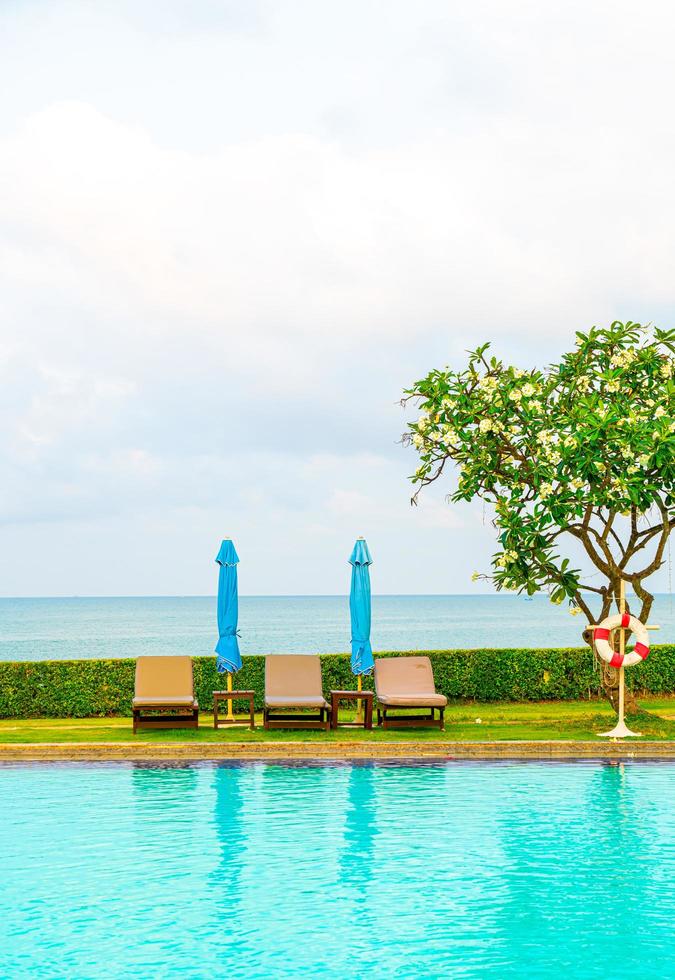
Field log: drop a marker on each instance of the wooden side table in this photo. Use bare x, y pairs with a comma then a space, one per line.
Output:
365, 696
226, 696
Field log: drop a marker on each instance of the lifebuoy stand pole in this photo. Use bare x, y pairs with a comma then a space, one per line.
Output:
622, 651
621, 730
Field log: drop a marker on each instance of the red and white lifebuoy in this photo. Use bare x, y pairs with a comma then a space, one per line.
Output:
601, 638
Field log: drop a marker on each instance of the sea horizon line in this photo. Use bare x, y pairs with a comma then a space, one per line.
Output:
295, 595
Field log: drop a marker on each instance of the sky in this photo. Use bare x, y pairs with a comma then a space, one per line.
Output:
231, 233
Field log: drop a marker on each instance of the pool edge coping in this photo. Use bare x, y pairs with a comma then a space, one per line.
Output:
333, 751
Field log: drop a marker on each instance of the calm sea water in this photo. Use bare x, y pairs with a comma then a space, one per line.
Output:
56, 629
285, 871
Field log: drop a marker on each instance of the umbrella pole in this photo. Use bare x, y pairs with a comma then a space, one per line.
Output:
230, 713
359, 703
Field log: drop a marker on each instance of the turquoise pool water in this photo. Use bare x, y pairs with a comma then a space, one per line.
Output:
280, 870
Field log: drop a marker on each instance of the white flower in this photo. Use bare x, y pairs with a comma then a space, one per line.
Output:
449, 434
536, 404
612, 386
485, 425
528, 390
632, 468
623, 358
576, 484
643, 459
666, 369
660, 412
570, 442
584, 383
545, 490
436, 436
516, 395
422, 422
417, 441
554, 458
475, 576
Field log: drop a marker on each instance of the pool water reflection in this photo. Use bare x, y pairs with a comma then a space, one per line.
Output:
288, 870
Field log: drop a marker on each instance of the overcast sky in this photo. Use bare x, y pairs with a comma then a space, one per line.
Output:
232, 231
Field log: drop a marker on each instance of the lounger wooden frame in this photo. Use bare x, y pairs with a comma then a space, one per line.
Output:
417, 721
293, 683
407, 684
164, 694
274, 718
189, 719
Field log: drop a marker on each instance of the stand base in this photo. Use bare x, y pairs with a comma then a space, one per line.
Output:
620, 730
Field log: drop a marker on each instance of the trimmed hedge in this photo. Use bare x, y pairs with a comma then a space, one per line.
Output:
98, 688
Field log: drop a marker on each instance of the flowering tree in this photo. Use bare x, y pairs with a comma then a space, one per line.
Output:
583, 450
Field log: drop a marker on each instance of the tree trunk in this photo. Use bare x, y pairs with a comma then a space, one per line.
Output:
610, 686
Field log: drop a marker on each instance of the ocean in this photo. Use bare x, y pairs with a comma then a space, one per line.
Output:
83, 628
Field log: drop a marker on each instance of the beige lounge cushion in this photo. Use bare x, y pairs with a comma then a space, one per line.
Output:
293, 678
296, 702
407, 681
413, 700
162, 680
187, 702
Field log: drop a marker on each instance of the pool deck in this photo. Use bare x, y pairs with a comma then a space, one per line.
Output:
333, 751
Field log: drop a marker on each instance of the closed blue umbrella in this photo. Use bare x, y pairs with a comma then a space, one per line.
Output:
359, 608
227, 649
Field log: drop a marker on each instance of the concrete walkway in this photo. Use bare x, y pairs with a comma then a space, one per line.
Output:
193, 752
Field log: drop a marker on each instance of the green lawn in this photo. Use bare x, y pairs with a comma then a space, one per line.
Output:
542, 720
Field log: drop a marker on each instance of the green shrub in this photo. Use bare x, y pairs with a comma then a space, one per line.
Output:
94, 688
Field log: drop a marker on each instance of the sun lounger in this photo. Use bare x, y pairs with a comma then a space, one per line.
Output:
407, 682
165, 687
294, 682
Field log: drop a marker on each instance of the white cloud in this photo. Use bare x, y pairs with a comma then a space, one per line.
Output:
290, 247
382, 510
218, 279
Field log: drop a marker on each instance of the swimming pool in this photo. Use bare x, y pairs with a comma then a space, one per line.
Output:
297, 870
